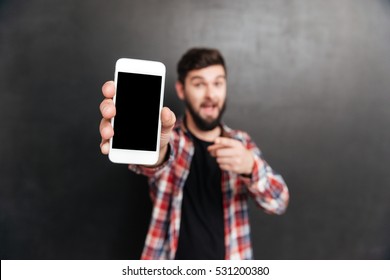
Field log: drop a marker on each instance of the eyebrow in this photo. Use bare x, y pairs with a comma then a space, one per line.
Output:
200, 77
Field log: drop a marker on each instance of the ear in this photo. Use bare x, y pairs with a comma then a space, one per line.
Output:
179, 90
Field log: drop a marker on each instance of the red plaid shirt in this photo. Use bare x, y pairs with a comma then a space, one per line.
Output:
267, 188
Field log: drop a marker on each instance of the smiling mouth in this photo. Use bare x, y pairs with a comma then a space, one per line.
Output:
208, 105
208, 108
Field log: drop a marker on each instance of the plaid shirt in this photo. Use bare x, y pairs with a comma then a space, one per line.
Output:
267, 188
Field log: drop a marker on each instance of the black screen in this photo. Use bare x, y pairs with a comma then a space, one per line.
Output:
137, 111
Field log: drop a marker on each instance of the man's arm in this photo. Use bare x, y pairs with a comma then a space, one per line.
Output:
266, 186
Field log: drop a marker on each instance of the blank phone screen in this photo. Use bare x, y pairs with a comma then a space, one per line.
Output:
137, 111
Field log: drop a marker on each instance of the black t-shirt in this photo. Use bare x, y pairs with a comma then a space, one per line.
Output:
202, 224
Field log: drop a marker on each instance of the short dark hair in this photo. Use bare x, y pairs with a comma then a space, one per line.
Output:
198, 58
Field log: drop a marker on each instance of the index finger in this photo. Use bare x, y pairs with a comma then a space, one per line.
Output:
214, 147
108, 89
227, 142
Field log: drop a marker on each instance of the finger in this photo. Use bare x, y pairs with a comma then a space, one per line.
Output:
227, 141
105, 147
108, 89
214, 151
224, 160
107, 108
106, 130
215, 147
168, 120
226, 167
225, 152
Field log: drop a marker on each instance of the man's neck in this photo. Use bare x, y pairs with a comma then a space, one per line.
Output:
208, 136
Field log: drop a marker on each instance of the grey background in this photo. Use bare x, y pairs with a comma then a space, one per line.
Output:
308, 79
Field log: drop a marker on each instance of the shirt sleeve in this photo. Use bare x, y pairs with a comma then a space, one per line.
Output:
154, 172
267, 187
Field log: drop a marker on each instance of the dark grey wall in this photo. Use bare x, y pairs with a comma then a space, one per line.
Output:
308, 79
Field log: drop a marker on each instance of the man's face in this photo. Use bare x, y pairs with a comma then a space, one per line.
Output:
204, 93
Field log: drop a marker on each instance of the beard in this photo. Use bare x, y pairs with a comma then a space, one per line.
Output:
205, 124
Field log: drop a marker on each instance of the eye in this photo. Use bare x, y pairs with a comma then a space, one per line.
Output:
198, 85
218, 84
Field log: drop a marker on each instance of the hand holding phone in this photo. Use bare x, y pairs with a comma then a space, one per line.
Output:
135, 127
108, 110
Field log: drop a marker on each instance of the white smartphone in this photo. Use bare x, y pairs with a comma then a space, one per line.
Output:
138, 100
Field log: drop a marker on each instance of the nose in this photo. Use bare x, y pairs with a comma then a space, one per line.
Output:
210, 91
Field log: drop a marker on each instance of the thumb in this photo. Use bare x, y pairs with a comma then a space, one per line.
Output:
168, 120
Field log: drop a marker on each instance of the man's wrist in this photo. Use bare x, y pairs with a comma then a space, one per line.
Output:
251, 165
163, 157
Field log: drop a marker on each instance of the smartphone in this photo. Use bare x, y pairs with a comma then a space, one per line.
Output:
138, 100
